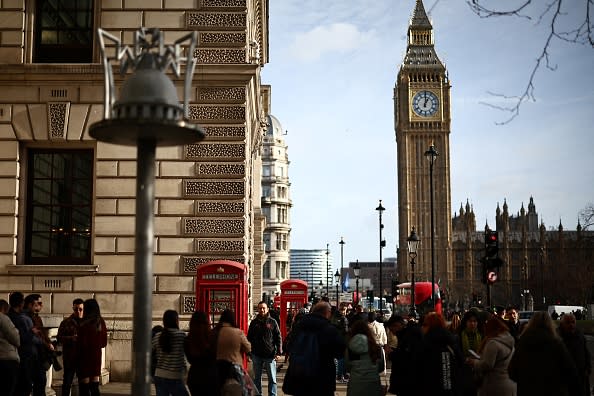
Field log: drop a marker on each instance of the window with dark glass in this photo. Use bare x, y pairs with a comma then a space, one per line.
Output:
59, 207
63, 31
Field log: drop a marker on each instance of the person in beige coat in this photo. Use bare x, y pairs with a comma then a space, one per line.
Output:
495, 354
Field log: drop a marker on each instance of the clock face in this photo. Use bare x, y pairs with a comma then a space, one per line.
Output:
425, 103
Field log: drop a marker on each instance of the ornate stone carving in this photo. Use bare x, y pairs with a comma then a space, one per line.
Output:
218, 94
193, 226
221, 170
206, 112
188, 304
57, 116
220, 207
220, 55
191, 263
223, 3
221, 245
222, 20
200, 188
210, 38
216, 151
225, 131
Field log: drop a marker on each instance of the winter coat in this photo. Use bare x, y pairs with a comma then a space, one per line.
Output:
9, 339
576, 345
440, 363
265, 337
541, 365
492, 367
331, 346
231, 344
364, 373
404, 376
92, 337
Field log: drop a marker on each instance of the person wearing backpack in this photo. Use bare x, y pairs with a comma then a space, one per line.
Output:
312, 350
265, 337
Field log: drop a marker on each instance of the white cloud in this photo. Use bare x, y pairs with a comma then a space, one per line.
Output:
337, 37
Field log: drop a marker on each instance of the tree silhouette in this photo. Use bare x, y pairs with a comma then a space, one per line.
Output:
551, 12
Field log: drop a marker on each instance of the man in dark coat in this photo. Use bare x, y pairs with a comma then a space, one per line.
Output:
575, 342
265, 337
331, 346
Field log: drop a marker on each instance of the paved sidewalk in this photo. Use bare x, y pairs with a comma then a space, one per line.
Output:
123, 388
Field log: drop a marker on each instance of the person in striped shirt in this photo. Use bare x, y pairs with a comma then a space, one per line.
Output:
168, 346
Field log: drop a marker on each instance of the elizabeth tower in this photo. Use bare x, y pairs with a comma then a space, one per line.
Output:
422, 119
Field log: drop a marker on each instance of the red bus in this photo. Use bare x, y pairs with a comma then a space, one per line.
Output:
422, 298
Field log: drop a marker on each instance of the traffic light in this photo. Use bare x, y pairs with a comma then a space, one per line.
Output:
491, 244
370, 294
394, 289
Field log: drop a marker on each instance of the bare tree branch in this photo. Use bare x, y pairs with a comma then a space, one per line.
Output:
581, 34
587, 216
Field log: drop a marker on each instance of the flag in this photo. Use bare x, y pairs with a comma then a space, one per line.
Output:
345, 283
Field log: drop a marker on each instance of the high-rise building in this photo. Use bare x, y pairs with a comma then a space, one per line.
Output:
313, 266
276, 206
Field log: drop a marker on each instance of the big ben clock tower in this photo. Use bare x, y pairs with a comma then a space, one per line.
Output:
422, 119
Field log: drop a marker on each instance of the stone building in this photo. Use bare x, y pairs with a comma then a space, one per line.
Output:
67, 202
276, 207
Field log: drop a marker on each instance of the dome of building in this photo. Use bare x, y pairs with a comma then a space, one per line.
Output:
275, 128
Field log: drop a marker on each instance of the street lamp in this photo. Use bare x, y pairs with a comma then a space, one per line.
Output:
147, 114
382, 243
357, 272
337, 279
327, 270
341, 243
413, 244
431, 155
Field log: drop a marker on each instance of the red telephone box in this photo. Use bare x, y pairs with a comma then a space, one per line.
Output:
220, 285
293, 297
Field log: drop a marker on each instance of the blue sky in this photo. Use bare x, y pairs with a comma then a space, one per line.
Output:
333, 66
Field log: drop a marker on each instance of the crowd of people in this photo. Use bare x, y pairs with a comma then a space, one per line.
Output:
476, 353
26, 351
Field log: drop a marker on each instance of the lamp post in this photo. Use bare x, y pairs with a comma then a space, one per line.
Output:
431, 155
148, 113
321, 288
337, 279
357, 272
413, 244
382, 243
327, 270
341, 243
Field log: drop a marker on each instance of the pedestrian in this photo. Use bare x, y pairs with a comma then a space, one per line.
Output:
90, 340
513, 321
340, 321
200, 354
364, 361
404, 376
232, 346
67, 337
24, 325
168, 346
265, 337
541, 364
9, 354
43, 349
440, 359
330, 346
378, 330
495, 353
470, 337
576, 344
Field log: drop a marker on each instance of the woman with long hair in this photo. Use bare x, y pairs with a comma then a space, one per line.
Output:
470, 338
440, 359
91, 338
364, 361
168, 345
231, 345
201, 356
495, 354
541, 364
